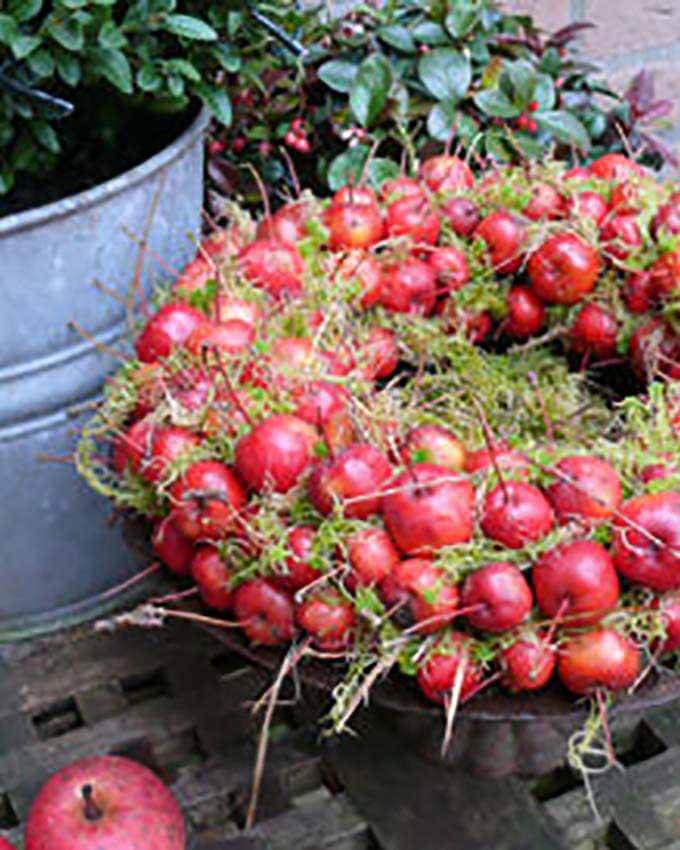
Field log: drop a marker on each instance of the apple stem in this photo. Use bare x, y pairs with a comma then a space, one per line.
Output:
262, 190
295, 180
232, 392
449, 139
559, 616
550, 433
482, 686
369, 159
491, 446
91, 809
602, 706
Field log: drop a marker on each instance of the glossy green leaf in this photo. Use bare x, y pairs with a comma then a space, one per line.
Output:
338, 75
370, 89
445, 73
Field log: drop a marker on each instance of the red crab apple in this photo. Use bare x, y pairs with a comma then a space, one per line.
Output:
599, 659
131, 448
563, 269
168, 444
5, 845
275, 453
451, 268
264, 612
432, 598
505, 458
319, 401
577, 174
379, 355
462, 215
207, 499
414, 217
357, 473
667, 218
288, 224
446, 173
328, 617
637, 292
646, 546
576, 578
228, 338
364, 268
167, 330
527, 664
655, 349
665, 275
516, 513
372, 557
358, 195
296, 572
504, 235
589, 205
409, 287
276, 267
172, 547
194, 276
400, 187
620, 235
593, 490
433, 444
353, 224
213, 578
615, 166
526, 313
437, 675
669, 605
546, 203
108, 803
428, 507
501, 596
594, 332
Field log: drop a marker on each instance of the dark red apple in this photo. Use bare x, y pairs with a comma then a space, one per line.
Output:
437, 675
598, 659
264, 612
516, 514
428, 507
167, 330
275, 453
213, 578
501, 595
576, 578
646, 549
527, 664
372, 557
354, 478
433, 444
207, 500
563, 269
105, 803
328, 617
172, 547
593, 489
432, 597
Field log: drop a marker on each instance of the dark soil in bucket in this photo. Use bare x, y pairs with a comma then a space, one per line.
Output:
104, 137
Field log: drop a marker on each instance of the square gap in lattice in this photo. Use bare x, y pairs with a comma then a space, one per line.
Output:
616, 840
646, 744
8, 817
143, 687
556, 783
57, 719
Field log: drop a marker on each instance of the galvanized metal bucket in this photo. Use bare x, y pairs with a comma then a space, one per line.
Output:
59, 554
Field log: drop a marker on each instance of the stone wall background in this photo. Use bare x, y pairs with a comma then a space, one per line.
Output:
629, 35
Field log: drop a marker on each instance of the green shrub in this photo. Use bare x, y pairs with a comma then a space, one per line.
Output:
159, 53
412, 76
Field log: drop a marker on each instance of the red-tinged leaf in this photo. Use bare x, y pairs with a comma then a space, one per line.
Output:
563, 36
640, 92
655, 111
